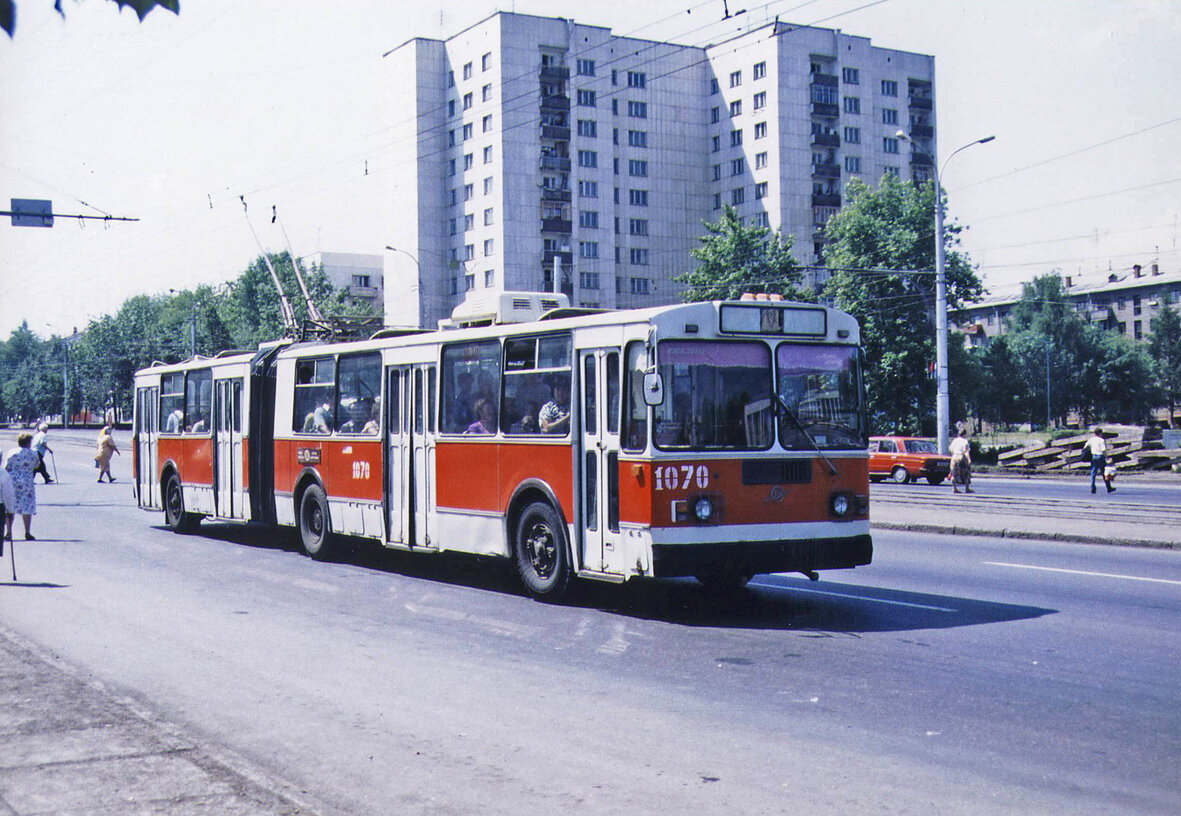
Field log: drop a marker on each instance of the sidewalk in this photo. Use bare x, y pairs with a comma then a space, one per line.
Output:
72, 746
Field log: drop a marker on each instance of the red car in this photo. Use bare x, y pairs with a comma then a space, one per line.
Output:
906, 458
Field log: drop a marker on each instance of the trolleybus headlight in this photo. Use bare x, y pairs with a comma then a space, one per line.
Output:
840, 504
703, 508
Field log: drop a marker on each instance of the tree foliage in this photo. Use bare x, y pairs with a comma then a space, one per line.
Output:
140, 7
734, 259
881, 249
1164, 348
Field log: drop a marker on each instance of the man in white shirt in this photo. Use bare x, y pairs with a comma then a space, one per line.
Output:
961, 462
1096, 448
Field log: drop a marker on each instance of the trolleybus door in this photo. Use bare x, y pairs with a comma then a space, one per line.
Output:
227, 462
422, 462
147, 424
397, 489
599, 378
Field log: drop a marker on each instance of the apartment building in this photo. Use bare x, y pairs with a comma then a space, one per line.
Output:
542, 153
1125, 301
359, 275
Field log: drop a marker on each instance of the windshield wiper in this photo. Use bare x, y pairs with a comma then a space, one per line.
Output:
832, 470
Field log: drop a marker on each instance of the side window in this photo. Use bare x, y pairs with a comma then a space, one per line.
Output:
315, 393
358, 402
471, 387
888, 446
198, 401
172, 403
537, 385
635, 415
590, 404
613, 392
394, 399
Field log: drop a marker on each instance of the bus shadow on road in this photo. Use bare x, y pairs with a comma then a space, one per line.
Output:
783, 602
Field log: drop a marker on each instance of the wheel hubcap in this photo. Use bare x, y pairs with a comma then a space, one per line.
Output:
541, 550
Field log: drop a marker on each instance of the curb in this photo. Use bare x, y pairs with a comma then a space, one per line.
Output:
1072, 538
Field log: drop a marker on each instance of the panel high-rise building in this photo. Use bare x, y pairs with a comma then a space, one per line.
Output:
541, 153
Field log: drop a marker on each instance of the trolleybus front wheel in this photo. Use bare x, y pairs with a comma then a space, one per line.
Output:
542, 558
174, 508
314, 530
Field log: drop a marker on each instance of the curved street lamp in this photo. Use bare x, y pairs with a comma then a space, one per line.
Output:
942, 398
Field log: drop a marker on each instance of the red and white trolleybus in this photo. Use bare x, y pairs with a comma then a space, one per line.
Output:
717, 440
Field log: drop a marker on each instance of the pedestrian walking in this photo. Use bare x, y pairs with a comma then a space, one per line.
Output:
22, 466
1096, 448
1109, 476
41, 446
7, 506
106, 449
961, 462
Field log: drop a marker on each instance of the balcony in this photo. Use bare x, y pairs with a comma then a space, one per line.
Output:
555, 103
565, 258
826, 169
921, 102
555, 132
826, 199
554, 72
554, 194
826, 140
922, 131
829, 80
925, 159
828, 110
555, 163
561, 225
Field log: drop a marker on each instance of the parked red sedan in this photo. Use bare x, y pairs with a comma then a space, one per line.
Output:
906, 458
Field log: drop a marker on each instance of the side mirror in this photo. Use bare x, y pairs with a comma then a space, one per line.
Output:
653, 388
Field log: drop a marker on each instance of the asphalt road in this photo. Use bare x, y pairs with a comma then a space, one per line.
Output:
954, 675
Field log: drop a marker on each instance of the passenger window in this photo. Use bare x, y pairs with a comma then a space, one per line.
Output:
172, 403
358, 407
199, 401
471, 387
635, 429
315, 390
537, 385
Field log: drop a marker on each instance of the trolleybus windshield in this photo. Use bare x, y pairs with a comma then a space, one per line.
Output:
821, 386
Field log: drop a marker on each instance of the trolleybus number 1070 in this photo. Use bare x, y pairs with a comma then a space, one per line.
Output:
680, 477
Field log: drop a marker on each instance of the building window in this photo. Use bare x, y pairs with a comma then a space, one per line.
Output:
468, 161
889, 87
487, 123
469, 252
713, 86
737, 196
760, 70
585, 67
588, 158
486, 93
489, 217
586, 99
852, 104
638, 256
715, 143
588, 280
451, 167
468, 193
760, 130
489, 278
824, 94
637, 198
451, 137
467, 131
637, 226
735, 79
761, 190
588, 249
889, 144
467, 101
469, 281
487, 185
588, 219
469, 222
636, 167
850, 76
891, 170
736, 107
760, 160
450, 107
588, 189
717, 201
717, 171
736, 138
488, 154
467, 71
637, 110
454, 286
761, 219
715, 115
489, 246
637, 138
636, 79
362, 281
486, 61
853, 164
889, 116
852, 135
737, 166
450, 79
615, 106
639, 286
760, 100
454, 226
588, 128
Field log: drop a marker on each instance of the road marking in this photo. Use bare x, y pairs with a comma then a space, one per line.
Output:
853, 597
1085, 572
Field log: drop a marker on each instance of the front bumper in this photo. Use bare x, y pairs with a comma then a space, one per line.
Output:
756, 557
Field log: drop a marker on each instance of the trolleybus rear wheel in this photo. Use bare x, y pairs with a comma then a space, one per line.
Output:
174, 508
315, 533
542, 558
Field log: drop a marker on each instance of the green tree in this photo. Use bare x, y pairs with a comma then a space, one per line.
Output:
734, 259
1164, 348
30, 376
140, 7
881, 249
1004, 396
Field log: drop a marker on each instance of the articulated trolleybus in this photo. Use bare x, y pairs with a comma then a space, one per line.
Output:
716, 440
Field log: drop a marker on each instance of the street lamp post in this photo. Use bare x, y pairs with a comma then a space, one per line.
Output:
417, 281
942, 395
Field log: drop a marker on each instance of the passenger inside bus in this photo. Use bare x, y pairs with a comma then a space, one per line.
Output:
485, 422
554, 416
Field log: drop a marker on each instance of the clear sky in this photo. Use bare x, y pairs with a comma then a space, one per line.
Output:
171, 120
